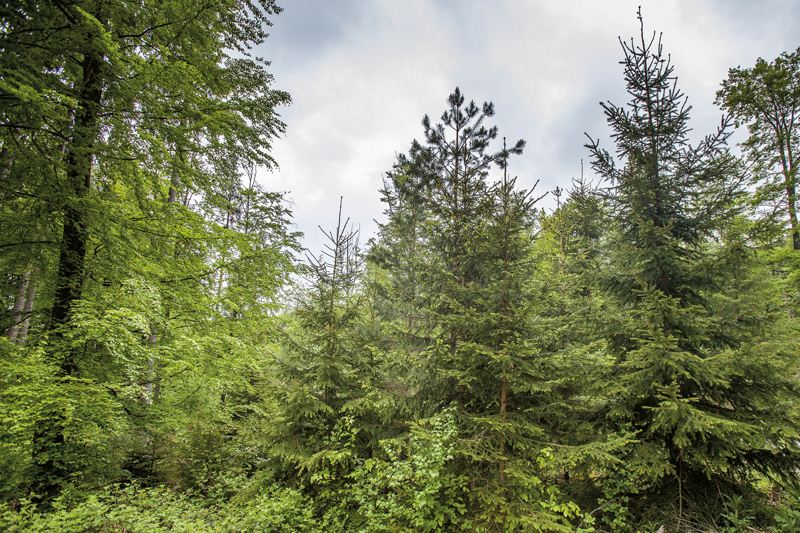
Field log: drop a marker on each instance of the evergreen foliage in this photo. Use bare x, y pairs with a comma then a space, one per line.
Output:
683, 376
323, 374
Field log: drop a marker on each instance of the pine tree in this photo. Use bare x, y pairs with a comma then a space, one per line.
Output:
474, 267
458, 156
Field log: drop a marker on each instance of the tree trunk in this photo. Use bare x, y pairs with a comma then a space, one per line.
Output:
51, 463
149, 387
75, 237
22, 333
790, 193
19, 305
502, 448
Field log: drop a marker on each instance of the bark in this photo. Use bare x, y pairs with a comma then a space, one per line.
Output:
503, 407
150, 388
19, 305
790, 191
5, 162
22, 333
75, 237
52, 464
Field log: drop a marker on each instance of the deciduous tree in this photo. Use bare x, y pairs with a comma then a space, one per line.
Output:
766, 97
108, 111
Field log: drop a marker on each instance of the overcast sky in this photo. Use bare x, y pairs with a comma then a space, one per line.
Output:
362, 73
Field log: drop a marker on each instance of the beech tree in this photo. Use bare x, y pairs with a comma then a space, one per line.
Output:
766, 98
110, 112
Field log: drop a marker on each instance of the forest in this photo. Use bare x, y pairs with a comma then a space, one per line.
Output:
173, 359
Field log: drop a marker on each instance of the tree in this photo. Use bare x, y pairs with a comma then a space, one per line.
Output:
690, 379
325, 372
473, 286
767, 99
568, 252
399, 248
108, 111
457, 152
87, 86
458, 159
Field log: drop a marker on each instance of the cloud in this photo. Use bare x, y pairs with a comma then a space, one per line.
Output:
356, 108
363, 73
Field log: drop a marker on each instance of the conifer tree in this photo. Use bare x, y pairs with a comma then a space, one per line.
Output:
327, 371
458, 156
567, 255
685, 380
478, 314
398, 251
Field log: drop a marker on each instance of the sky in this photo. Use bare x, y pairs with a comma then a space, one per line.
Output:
363, 73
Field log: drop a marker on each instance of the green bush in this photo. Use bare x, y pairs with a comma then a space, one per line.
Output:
133, 509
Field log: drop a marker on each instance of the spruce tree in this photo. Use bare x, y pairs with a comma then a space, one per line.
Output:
567, 255
398, 250
324, 381
709, 398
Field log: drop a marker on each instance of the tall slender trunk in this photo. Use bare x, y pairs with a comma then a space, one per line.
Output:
502, 447
791, 192
504, 313
76, 234
51, 463
174, 184
789, 170
5, 161
150, 386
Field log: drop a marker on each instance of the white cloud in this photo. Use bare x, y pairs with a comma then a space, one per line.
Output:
362, 75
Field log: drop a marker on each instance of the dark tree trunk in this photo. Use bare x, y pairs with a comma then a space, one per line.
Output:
51, 463
75, 237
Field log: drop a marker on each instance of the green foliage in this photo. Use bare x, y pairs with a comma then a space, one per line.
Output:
154, 268
407, 485
707, 403
32, 393
457, 251
160, 509
766, 97
486, 367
